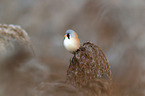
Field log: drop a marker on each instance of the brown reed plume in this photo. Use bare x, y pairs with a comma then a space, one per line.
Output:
11, 33
89, 69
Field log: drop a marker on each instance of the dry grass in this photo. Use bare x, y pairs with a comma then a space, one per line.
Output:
116, 26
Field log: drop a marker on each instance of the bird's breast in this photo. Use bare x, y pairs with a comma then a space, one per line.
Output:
71, 44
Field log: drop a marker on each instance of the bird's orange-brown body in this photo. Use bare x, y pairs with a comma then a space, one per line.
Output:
71, 41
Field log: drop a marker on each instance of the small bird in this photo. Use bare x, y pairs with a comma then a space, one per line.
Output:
71, 41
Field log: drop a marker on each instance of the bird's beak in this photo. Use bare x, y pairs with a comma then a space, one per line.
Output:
65, 35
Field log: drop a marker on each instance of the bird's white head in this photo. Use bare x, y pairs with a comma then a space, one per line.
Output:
71, 41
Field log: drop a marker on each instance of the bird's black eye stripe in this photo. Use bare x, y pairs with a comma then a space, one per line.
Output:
68, 35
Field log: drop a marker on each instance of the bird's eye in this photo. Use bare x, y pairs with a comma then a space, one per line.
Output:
68, 35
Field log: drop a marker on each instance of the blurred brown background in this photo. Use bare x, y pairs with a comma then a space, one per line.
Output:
117, 26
